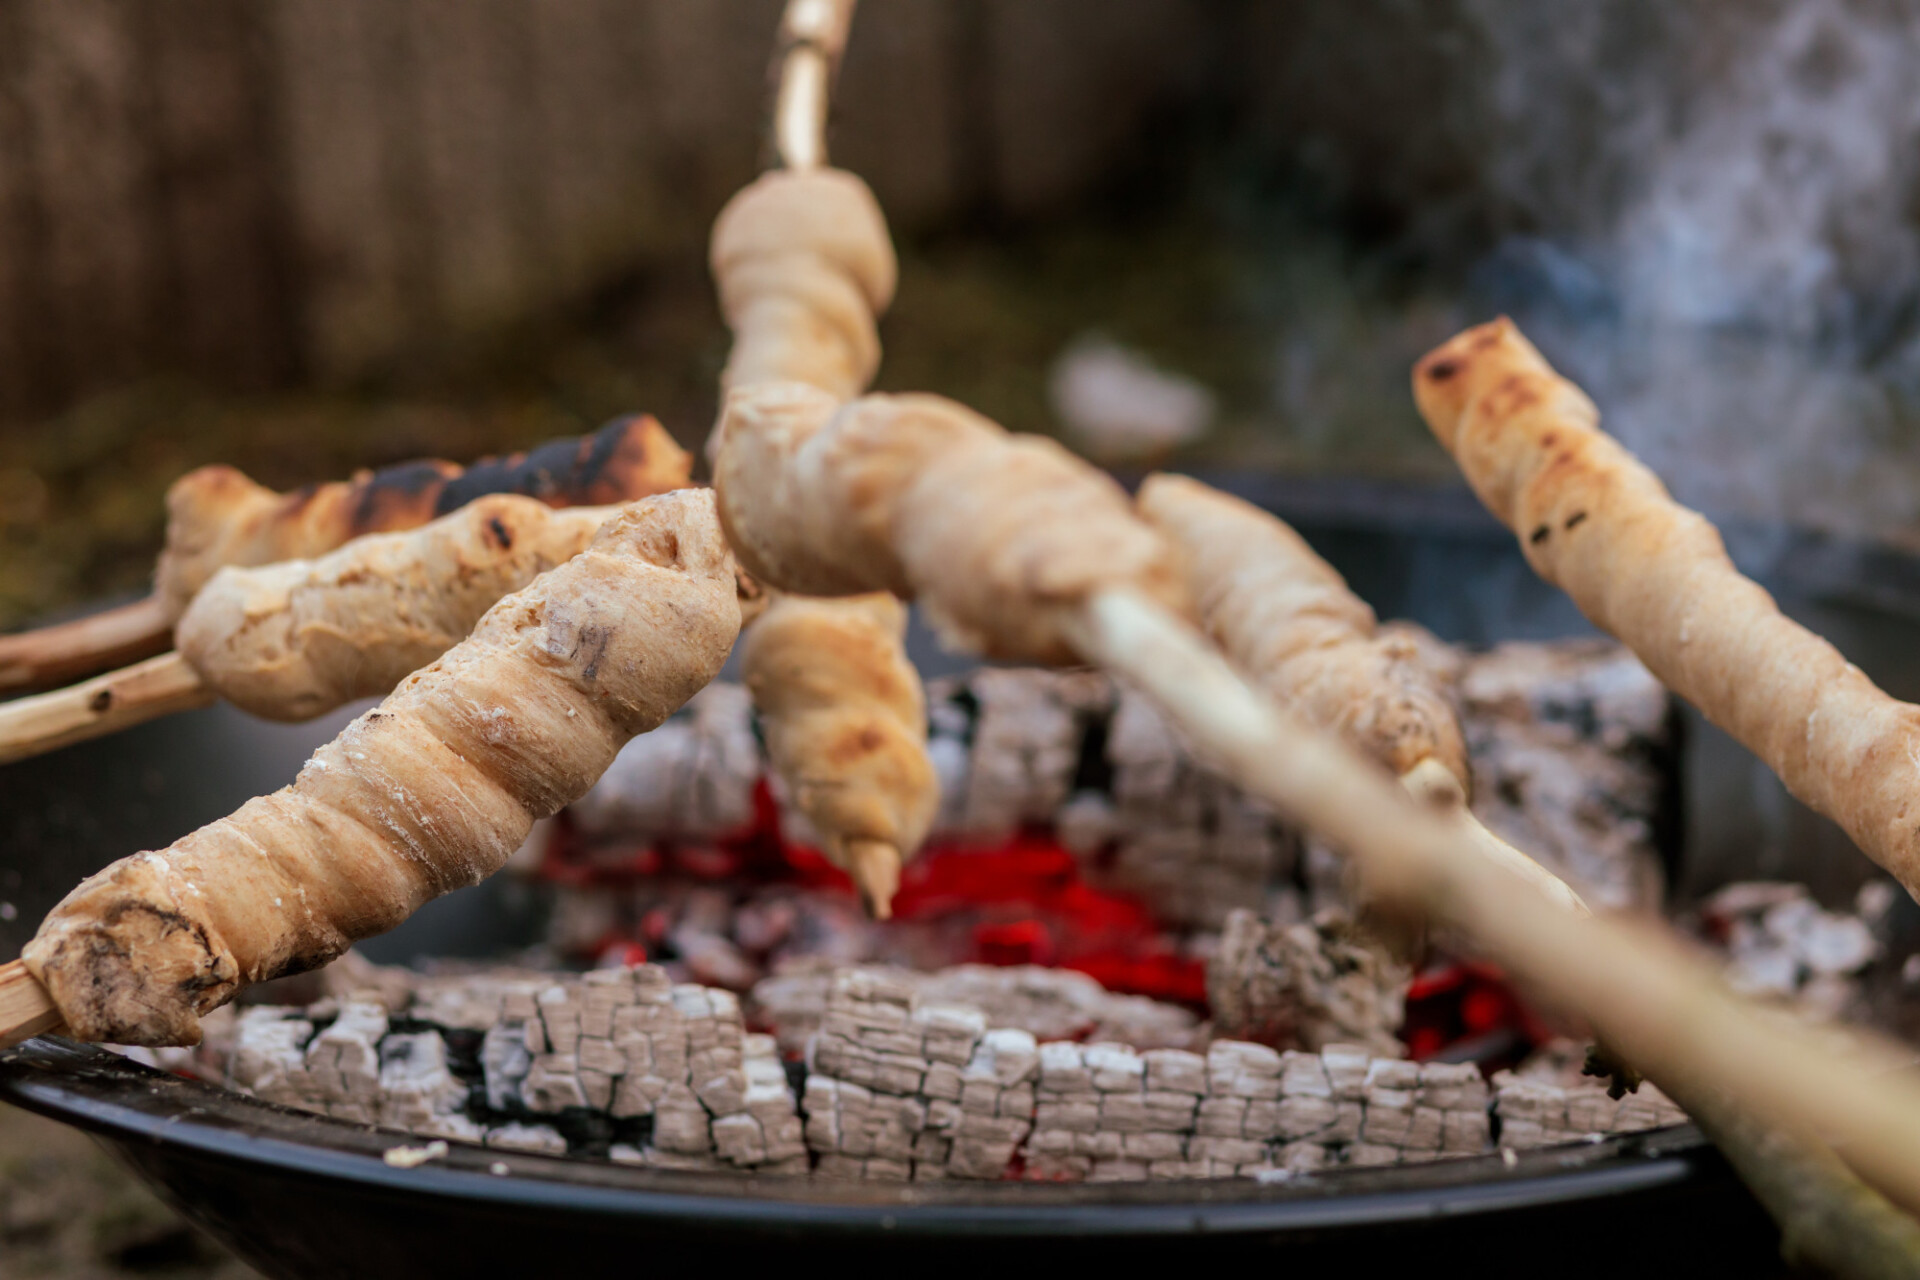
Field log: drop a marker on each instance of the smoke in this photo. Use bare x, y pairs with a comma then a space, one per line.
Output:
1732, 265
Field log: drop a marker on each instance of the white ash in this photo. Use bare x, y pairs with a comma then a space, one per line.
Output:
1306, 984
1781, 944
1536, 1112
690, 779
628, 1045
1566, 742
1050, 1004
900, 1086
539, 1138
885, 1099
1188, 841
1025, 738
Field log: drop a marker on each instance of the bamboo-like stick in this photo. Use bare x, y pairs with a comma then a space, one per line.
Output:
1432, 782
106, 704
1653, 1002
812, 35
25, 1011
53, 655
1830, 1222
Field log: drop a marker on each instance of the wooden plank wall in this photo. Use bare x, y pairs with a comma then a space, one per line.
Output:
261, 191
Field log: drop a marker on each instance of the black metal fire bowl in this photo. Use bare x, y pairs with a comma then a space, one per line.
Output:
299, 1195
305, 1196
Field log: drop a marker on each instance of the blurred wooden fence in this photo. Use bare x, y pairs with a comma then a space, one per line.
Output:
263, 190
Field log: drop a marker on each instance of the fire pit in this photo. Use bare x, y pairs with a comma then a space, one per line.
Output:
300, 1194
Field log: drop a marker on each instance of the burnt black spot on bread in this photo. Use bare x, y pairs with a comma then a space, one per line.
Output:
100, 702
1540, 535
1441, 370
1574, 519
500, 535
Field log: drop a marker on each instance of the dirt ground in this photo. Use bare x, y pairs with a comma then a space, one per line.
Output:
67, 1209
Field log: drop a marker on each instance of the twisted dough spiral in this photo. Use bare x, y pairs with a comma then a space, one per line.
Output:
1598, 524
429, 792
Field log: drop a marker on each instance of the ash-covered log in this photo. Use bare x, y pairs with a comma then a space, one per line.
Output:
1306, 984
1569, 745
627, 1066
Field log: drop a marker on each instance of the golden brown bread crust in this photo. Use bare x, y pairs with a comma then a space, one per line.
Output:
292, 640
1286, 618
1597, 523
217, 517
845, 718
999, 536
803, 264
429, 792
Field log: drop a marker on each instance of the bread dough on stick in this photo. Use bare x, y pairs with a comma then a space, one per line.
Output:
293, 640
429, 792
1000, 537
1597, 523
846, 725
804, 264
217, 517
1287, 619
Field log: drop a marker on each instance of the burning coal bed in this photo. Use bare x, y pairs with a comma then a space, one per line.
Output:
1107, 965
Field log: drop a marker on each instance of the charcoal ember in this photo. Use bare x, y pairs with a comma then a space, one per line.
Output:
517, 1136
711, 959
1088, 824
269, 1057
944, 1092
418, 1091
1059, 1004
343, 1062
1052, 1004
505, 1061
1188, 840
1778, 942
692, 779
473, 1001
1305, 985
1536, 1110
1024, 744
769, 1102
1301, 1157
1566, 741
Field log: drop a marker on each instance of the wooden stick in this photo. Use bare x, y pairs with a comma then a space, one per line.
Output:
106, 704
52, 656
1651, 1000
1434, 783
1830, 1222
812, 35
25, 1011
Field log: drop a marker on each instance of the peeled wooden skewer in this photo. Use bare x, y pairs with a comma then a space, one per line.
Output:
26, 1010
1288, 620
813, 34
217, 517
106, 704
